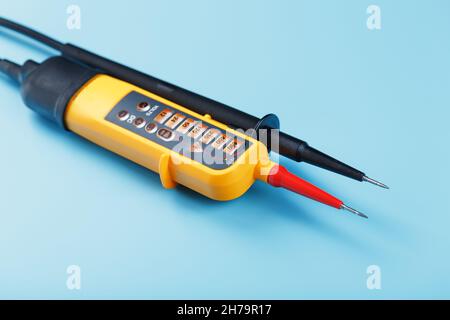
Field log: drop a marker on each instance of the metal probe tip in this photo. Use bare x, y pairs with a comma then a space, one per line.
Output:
347, 208
375, 182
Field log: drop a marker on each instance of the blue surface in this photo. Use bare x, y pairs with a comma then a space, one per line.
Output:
376, 99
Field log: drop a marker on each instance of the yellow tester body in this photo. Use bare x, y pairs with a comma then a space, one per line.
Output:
167, 138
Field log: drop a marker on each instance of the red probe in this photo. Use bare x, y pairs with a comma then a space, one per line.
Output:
280, 177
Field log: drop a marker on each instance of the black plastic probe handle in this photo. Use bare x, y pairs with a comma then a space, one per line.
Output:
289, 146
317, 158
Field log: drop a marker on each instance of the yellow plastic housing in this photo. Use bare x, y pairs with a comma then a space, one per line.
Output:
86, 114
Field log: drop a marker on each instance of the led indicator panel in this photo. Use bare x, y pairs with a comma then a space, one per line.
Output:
175, 130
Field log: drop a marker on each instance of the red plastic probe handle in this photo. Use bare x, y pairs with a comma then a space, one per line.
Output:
281, 178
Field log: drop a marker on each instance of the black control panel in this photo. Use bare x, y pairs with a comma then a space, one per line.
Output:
178, 131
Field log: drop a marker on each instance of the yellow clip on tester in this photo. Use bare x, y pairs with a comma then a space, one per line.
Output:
182, 146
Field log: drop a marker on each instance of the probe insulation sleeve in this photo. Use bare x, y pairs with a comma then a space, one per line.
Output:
281, 178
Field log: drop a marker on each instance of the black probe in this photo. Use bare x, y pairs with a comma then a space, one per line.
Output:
289, 146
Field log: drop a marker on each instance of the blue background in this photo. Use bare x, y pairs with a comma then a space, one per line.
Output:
378, 100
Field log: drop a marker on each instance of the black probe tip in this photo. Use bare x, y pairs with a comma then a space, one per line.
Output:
375, 182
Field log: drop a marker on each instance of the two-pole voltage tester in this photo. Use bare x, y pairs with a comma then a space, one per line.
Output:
187, 138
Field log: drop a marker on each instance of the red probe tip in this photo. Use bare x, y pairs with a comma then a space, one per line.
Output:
347, 208
281, 178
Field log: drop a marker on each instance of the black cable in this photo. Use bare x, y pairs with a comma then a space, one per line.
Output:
10, 69
33, 34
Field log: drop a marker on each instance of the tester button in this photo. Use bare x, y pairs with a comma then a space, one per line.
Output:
151, 128
139, 123
233, 147
175, 121
123, 115
164, 116
143, 107
221, 141
210, 135
166, 134
186, 126
197, 131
